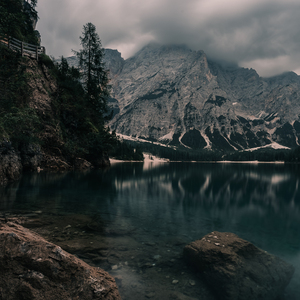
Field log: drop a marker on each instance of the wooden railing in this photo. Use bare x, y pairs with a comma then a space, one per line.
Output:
25, 49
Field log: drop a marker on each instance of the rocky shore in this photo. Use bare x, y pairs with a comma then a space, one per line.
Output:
144, 268
32, 268
33, 158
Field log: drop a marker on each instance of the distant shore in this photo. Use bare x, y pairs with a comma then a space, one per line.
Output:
148, 159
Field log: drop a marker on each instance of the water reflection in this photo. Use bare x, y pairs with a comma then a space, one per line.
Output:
260, 203
256, 201
252, 200
58, 192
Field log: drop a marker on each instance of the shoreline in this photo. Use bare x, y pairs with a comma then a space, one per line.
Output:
165, 160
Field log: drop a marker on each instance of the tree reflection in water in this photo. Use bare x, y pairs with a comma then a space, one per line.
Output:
259, 202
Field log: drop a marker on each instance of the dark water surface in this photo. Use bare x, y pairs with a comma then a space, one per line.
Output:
178, 202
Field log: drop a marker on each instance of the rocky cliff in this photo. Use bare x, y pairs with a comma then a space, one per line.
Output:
44, 129
177, 96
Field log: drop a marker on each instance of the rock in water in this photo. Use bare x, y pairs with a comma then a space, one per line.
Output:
32, 268
10, 163
235, 269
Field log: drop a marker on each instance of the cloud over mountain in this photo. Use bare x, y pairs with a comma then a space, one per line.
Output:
262, 34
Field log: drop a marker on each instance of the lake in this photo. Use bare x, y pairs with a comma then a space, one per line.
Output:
158, 208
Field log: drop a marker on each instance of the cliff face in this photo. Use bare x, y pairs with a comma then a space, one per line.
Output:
48, 147
43, 86
175, 95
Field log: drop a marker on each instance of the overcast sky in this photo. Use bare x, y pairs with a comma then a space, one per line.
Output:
259, 34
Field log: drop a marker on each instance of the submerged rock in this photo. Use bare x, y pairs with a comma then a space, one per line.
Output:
235, 269
179, 296
32, 268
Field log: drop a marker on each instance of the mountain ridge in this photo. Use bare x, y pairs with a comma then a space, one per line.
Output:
172, 94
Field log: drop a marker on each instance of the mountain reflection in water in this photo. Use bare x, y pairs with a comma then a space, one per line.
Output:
259, 202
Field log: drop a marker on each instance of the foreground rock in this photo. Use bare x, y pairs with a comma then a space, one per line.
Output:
32, 268
237, 270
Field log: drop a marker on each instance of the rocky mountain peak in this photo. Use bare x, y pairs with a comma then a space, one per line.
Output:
113, 61
171, 94
175, 95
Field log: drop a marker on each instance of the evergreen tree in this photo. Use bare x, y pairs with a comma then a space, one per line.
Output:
16, 18
30, 8
94, 75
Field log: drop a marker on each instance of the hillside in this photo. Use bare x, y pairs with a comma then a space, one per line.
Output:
52, 115
44, 121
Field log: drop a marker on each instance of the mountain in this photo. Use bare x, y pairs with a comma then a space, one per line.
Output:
176, 96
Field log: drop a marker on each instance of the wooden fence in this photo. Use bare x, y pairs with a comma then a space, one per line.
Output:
24, 48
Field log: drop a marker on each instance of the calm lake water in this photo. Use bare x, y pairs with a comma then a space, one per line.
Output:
259, 202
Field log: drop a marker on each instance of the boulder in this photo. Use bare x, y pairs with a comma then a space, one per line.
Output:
235, 269
10, 163
101, 161
31, 156
32, 268
82, 164
55, 163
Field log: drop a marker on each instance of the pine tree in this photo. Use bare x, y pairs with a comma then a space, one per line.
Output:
94, 75
16, 20
30, 8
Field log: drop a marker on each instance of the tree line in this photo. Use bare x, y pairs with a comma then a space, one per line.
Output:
83, 94
184, 154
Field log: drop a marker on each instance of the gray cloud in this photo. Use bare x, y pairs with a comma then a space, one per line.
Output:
262, 34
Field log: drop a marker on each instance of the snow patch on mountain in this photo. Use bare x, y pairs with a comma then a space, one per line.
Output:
167, 137
273, 145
